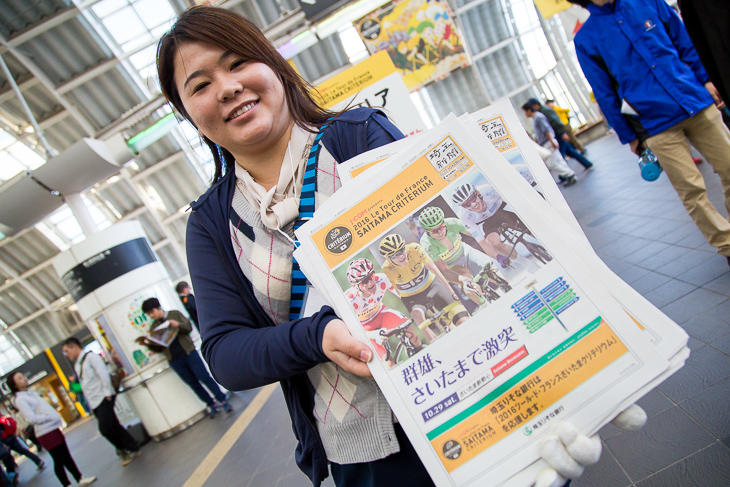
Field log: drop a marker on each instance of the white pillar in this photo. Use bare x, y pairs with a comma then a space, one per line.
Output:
109, 275
81, 212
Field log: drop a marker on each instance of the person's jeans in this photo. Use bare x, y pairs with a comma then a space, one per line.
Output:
566, 148
17, 445
111, 429
193, 372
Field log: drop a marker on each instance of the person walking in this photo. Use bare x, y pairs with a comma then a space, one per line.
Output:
9, 436
561, 134
183, 357
656, 94
97, 386
47, 423
564, 114
546, 140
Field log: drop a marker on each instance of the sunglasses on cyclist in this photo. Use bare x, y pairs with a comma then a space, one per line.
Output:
439, 228
398, 254
472, 200
368, 279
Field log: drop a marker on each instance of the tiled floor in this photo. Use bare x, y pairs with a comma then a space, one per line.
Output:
642, 232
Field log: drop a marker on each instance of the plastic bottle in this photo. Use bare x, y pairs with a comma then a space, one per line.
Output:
649, 166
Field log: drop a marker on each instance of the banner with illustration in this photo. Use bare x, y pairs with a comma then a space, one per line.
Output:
376, 83
486, 328
420, 36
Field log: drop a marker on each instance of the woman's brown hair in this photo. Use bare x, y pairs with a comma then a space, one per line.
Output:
10, 381
239, 36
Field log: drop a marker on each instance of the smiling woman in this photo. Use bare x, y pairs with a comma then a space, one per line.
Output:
228, 42
276, 153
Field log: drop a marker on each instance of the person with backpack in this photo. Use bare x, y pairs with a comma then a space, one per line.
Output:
97, 385
9, 436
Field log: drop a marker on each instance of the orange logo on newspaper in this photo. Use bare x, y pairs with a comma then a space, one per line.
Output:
338, 240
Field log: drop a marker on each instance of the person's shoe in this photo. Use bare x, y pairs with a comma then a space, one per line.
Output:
589, 168
696, 160
41, 465
213, 411
226, 407
84, 481
130, 457
570, 181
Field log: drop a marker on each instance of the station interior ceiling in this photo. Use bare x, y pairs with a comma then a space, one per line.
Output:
86, 70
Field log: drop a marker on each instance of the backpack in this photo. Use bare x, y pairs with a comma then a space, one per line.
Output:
10, 427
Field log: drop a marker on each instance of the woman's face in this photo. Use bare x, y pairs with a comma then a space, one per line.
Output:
238, 104
21, 381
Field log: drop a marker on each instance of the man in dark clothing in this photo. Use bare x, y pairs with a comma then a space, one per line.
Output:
566, 148
708, 25
188, 300
183, 357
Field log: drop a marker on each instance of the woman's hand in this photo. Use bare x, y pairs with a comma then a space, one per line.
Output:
340, 347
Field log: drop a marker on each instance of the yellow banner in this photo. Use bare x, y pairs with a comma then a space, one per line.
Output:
420, 36
548, 8
406, 192
352, 80
528, 405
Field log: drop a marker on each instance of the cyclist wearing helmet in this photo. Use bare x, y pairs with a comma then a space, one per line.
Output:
366, 296
418, 280
458, 261
484, 203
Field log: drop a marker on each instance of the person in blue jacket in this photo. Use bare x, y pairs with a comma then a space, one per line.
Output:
655, 93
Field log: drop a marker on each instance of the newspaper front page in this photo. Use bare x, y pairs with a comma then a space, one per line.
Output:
477, 360
500, 125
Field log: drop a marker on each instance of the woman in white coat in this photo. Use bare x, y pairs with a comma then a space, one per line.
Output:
47, 424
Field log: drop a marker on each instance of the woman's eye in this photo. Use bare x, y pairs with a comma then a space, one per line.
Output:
237, 63
199, 87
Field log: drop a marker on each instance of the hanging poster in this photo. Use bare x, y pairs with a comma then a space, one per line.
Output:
420, 37
376, 83
548, 8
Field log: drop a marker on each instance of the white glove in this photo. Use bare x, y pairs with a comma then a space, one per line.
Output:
632, 419
568, 452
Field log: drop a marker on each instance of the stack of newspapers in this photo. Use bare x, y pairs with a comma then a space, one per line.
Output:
453, 254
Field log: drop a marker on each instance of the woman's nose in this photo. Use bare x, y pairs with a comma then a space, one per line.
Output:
229, 88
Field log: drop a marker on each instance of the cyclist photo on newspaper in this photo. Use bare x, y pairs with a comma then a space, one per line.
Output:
381, 312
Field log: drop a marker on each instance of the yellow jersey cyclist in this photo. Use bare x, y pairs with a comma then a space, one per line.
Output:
419, 282
366, 295
443, 243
